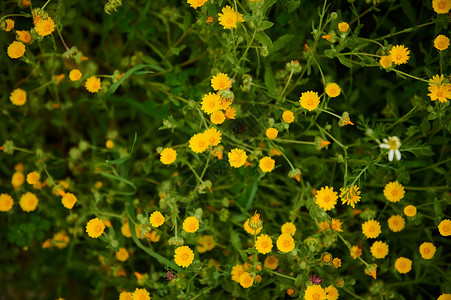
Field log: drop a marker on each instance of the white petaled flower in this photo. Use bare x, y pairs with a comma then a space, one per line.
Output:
393, 144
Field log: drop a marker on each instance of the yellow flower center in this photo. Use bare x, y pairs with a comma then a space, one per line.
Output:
98, 228
399, 56
372, 229
310, 102
394, 193
286, 243
327, 199
315, 296
441, 5
184, 256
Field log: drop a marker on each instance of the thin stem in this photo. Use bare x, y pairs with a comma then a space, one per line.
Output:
48, 1
411, 76
331, 113
285, 88
295, 142
403, 31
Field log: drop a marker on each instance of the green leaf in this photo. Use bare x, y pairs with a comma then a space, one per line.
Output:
409, 11
420, 150
127, 74
263, 39
252, 194
265, 25
270, 81
281, 42
345, 62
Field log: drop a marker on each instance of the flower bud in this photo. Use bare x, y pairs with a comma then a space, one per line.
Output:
293, 66
176, 241
227, 94
8, 147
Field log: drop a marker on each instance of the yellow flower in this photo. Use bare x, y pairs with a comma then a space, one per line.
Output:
350, 196
125, 230
211, 102
336, 262
333, 90
229, 17
93, 84
183, 256
335, 224
125, 296
140, 294
218, 117
237, 157
266, 164
440, 92
444, 297
9, 25
403, 265
385, 61
199, 142
271, 133
95, 227
16, 49
445, 227
371, 229
33, 177
246, 280
441, 6
206, 242
69, 200
75, 75
236, 272
17, 180
271, 262
109, 144
343, 26
191, 224
230, 113
249, 230
326, 198
285, 243
122, 254
399, 54
28, 202
220, 82
156, 219
355, 251
410, 211
379, 249
441, 42
168, 156
6, 202
309, 100
196, 3
394, 191
396, 223
288, 116
288, 228
24, 36
60, 240
213, 136
332, 292
315, 292
427, 250
45, 27
18, 97
263, 244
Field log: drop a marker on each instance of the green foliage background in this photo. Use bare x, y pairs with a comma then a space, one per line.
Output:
168, 54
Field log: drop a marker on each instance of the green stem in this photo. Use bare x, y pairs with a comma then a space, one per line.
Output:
405, 30
411, 76
286, 85
48, 1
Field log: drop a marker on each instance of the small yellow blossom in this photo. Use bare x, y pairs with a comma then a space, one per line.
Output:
333, 90
403, 265
168, 156
18, 97
343, 26
16, 49
75, 74
45, 27
93, 84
